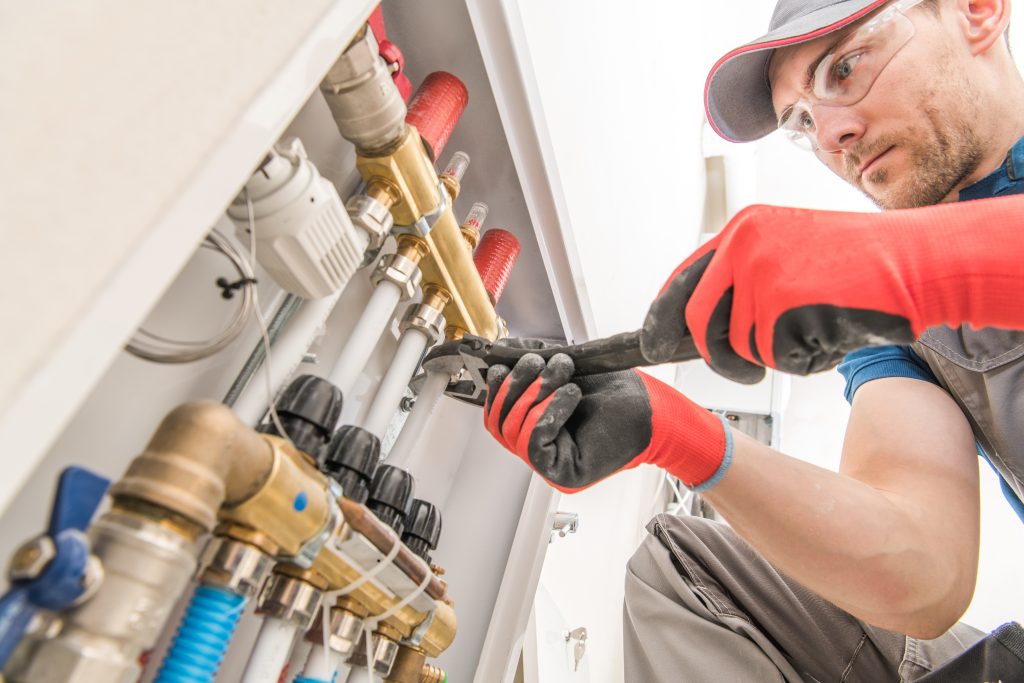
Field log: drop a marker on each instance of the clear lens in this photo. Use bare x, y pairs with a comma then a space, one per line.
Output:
845, 75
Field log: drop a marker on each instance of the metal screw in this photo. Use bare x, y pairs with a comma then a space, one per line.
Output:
407, 404
31, 559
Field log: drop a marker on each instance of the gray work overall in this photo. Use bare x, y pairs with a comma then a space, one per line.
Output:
702, 605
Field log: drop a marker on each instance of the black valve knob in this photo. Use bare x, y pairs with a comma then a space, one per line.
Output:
351, 459
309, 408
422, 528
391, 496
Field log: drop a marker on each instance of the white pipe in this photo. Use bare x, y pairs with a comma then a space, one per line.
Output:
320, 666
270, 654
395, 380
300, 653
285, 355
365, 335
405, 453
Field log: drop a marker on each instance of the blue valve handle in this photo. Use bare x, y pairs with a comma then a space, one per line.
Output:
60, 583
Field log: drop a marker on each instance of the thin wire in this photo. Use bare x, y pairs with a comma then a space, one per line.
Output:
261, 320
153, 347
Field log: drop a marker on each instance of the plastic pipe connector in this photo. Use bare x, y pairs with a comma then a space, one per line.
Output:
309, 408
494, 259
435, 109
391, 496
351, 460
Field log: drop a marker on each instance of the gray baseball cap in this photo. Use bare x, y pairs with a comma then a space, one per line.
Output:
737, 97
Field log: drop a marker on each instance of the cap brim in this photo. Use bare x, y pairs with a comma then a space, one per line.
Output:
737, 95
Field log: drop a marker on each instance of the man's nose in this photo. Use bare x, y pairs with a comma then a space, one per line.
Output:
837, 127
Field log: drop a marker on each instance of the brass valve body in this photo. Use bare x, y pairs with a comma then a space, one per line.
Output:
448, 263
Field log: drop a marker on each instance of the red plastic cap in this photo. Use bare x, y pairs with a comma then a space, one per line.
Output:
436, 108
494, 258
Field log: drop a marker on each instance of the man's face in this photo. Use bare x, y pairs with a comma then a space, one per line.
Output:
911, 140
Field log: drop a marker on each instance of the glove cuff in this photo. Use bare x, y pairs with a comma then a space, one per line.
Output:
726, 460
687, 440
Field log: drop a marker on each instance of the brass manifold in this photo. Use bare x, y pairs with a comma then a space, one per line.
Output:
402, 178
204, 467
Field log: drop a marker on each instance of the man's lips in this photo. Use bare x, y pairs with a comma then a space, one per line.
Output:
870, 163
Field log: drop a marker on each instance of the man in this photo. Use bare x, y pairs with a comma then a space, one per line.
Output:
858, 575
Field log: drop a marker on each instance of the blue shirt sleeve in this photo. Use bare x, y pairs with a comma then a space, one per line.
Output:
875, 362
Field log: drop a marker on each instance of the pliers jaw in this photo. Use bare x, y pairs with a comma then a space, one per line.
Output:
464, 361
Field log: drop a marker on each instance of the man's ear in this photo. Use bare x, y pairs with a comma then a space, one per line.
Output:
983, 22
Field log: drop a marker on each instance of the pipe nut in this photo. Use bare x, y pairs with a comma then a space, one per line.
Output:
371, 217
385, 651
290, 599
398, 270
236, 566
31, 558
344, 632
426, 319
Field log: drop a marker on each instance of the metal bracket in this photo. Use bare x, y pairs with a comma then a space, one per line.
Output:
565, 523
425, 223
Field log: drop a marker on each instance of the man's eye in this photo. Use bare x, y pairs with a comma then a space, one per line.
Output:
805, 122
844, 68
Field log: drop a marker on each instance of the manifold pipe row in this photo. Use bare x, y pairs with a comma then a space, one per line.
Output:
422, 326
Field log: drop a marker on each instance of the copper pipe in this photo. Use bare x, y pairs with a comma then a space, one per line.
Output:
364, 521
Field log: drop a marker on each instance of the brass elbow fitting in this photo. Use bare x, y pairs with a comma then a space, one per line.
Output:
200, 457
204, 464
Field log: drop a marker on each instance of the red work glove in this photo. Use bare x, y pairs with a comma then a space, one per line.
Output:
575, 433
796, 289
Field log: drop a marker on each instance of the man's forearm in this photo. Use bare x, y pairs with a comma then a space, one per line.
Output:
865, 550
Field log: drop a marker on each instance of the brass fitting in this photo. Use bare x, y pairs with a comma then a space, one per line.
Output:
291, 507
449, 264
203, 463
408, 665
200, 457
291, 599
432, 674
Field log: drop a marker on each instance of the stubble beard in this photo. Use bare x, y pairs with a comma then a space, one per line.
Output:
940, 159
943, 149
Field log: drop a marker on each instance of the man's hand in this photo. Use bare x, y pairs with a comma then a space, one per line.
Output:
797, 289
575, 431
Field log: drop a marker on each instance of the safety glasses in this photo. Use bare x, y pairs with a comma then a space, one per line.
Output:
844, 76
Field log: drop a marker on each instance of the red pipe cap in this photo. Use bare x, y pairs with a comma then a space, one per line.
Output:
494, 258
436, 108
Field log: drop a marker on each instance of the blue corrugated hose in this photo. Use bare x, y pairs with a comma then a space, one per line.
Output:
203, 637
304, 679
